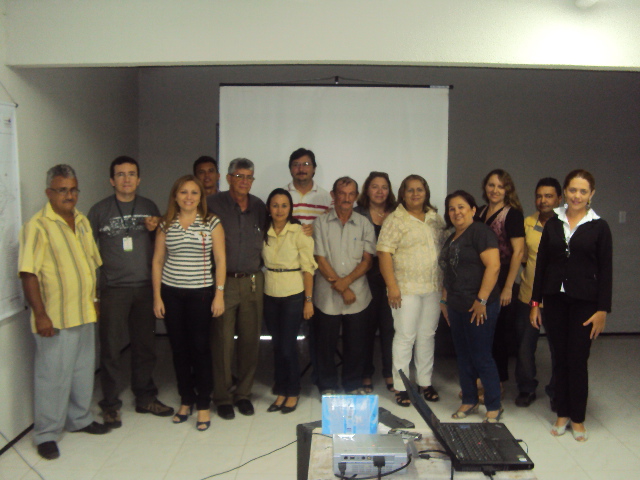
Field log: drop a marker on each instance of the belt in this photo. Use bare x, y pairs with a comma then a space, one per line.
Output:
280, 270
239, 274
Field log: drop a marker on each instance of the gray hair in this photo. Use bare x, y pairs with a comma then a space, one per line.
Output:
240, 164
61, 170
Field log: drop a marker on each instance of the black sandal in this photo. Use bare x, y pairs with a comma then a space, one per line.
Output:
402, 399
430, 394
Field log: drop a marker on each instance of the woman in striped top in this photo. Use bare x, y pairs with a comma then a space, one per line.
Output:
183, 291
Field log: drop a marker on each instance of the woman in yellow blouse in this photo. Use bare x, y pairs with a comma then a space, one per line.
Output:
288, 286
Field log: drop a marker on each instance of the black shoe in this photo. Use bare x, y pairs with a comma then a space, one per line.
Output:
112, 418
94, 428
290, 409
49, 450
245, 407
274, 407
155, 407
525, 399
226, 412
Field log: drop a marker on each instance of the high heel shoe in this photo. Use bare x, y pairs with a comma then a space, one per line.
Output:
460, 414
181, 418
496, 419
203, 426
275, 407
286, 409
558, 430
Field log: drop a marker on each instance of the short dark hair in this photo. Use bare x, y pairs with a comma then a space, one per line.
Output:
302, 152
458, 193
426, 206
549, 182
205, 159
121, 160
364, 201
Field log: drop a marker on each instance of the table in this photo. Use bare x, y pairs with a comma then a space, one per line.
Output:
437, 468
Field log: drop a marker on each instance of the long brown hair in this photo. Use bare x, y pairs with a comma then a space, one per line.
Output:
426, 206
173, 209
364, 201
510, 196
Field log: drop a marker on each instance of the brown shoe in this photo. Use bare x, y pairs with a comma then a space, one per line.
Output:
112, 418
155, 407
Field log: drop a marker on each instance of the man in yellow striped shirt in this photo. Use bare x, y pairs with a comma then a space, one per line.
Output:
57, 265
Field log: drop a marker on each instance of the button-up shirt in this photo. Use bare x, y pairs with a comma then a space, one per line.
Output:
307, 207
288, 250
65, 263
243, 231
415, 247
343, 246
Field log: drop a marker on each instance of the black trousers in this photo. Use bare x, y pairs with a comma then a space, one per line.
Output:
571, 346
380, 320
126, 314
354, 338
188, 320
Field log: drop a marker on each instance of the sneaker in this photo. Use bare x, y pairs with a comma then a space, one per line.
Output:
155, 407
94, 428
48, 450
112, 418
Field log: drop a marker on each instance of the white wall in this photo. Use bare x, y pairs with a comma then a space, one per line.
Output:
83, 117
545, 33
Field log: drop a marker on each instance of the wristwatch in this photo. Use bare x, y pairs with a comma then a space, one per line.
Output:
481, 301
220, 287
308, 299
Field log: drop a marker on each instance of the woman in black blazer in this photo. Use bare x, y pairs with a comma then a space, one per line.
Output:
574, 277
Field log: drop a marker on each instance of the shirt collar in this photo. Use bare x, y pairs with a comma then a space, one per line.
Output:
287, 228
292, 188
334, 216
562, 215
51, 214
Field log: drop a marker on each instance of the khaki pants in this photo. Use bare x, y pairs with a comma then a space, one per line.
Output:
242, 317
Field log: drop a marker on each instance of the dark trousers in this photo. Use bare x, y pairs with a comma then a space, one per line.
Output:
571, 345
473, 350
283, 316
527, 337
242, 317
188, 320
502, 340
380, 320
326, 334
126, 315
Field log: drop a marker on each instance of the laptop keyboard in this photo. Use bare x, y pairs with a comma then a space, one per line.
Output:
469, 443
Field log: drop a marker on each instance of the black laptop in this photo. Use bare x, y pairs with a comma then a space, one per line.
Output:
481, 447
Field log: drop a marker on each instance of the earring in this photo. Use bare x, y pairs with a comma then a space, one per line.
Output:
589, 204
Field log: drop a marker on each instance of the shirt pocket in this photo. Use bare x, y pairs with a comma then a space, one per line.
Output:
356, 249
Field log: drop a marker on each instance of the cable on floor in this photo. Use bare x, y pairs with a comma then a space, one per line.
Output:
20, 455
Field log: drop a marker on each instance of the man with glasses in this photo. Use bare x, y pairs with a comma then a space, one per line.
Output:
243, 217
57, 265
123, 225
309, 199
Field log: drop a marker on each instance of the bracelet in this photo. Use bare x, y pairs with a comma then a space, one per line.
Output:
443, 301
533, 304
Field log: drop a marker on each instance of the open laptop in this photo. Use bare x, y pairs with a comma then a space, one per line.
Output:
482, 447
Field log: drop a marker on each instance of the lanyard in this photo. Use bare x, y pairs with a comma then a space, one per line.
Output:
124, 223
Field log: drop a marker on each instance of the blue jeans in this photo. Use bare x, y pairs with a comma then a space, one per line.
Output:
283, 316
473, 344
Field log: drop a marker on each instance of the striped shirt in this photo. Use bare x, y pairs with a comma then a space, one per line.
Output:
65, 263
311, 205
188, 263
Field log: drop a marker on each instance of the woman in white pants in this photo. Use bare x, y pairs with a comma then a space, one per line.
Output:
408, 249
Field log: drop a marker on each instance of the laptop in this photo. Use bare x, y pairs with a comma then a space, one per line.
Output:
472, 447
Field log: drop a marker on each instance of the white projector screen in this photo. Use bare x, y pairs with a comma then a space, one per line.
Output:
351, 130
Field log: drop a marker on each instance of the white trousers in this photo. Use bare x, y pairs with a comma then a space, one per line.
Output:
415, 325
64, 373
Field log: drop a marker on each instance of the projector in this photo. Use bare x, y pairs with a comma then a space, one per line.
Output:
357, 452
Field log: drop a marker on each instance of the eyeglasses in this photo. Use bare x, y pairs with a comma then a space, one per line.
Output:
300, 164
125, 174
64, 191
241, 176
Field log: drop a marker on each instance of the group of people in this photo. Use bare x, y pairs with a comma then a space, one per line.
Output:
351, 262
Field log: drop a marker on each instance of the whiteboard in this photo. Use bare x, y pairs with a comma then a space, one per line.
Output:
11, 298
351, 130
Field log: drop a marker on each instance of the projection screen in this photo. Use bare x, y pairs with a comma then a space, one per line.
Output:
351, 130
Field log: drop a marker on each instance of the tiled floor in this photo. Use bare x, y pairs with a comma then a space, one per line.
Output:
150, 448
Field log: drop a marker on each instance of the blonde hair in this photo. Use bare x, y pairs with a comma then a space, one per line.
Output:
173, 209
